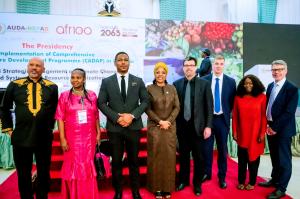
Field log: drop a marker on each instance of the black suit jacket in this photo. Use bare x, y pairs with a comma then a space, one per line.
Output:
203, 105
228, 93
284, 109
110, 101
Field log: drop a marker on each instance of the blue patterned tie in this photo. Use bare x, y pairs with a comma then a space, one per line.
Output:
217, 96
271, 101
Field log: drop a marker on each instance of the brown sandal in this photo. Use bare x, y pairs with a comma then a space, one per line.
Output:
249, 187
241, 187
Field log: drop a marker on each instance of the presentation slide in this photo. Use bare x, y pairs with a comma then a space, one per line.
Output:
68, 42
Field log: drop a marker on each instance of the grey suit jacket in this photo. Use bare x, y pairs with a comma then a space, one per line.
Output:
110, 102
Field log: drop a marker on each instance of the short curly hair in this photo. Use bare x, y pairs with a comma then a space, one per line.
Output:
258, 86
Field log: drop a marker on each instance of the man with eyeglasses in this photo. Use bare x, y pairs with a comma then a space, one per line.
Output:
282, 99
193, 123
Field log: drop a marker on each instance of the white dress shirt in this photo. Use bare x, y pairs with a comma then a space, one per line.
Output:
126, 81
279, 86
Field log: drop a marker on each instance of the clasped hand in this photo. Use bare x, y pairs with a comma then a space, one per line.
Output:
125, 119
164, 124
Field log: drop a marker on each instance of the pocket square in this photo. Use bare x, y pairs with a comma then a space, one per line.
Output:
133, 84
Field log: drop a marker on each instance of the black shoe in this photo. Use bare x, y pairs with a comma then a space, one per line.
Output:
206, 178
222, 184
118, 195
136, 195
197, 190
180, 186
167, 195
158, 195
269, 183
276, 194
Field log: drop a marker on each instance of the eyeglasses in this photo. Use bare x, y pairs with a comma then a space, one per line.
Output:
189, 65
277, 69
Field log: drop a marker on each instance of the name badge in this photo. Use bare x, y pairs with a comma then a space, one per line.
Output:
82, 116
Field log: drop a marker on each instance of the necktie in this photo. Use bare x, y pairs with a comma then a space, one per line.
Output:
217, 96
187, 102
123, 88
271, 101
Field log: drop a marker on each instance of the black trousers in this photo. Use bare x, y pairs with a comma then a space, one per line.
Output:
23, 157
119, 141
243, 162
189, 142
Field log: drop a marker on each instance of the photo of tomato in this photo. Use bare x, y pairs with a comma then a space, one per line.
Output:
178, 39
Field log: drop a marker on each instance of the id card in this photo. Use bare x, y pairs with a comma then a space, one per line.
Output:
82, 116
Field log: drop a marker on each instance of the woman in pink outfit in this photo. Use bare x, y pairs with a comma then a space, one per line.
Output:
78, 124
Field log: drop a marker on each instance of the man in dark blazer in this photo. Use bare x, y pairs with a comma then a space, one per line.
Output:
282, 98
35, 100
123, 98
193, 123
225, 89
205, 67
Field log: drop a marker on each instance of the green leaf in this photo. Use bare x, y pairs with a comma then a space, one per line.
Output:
183, 44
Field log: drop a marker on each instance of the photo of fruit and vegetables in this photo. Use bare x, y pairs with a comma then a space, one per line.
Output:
171, 41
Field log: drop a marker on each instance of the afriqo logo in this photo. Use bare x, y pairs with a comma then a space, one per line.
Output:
2, 28
73, 30
24, 28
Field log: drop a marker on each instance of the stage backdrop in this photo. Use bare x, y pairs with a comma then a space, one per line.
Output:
67, 42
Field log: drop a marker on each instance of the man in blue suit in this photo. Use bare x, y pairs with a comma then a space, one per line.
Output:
205, 67
223, 88
122, 99
282, 97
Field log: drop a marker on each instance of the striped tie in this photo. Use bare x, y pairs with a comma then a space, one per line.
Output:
271, 101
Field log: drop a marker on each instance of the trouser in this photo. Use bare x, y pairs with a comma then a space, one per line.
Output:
23, 157
130, 140
281, 158
243, 161
189, 141
220, 132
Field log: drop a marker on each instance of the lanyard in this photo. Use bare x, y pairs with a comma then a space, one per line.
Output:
82, 102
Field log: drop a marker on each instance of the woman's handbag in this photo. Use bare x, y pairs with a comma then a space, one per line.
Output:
99, 164
34, 181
